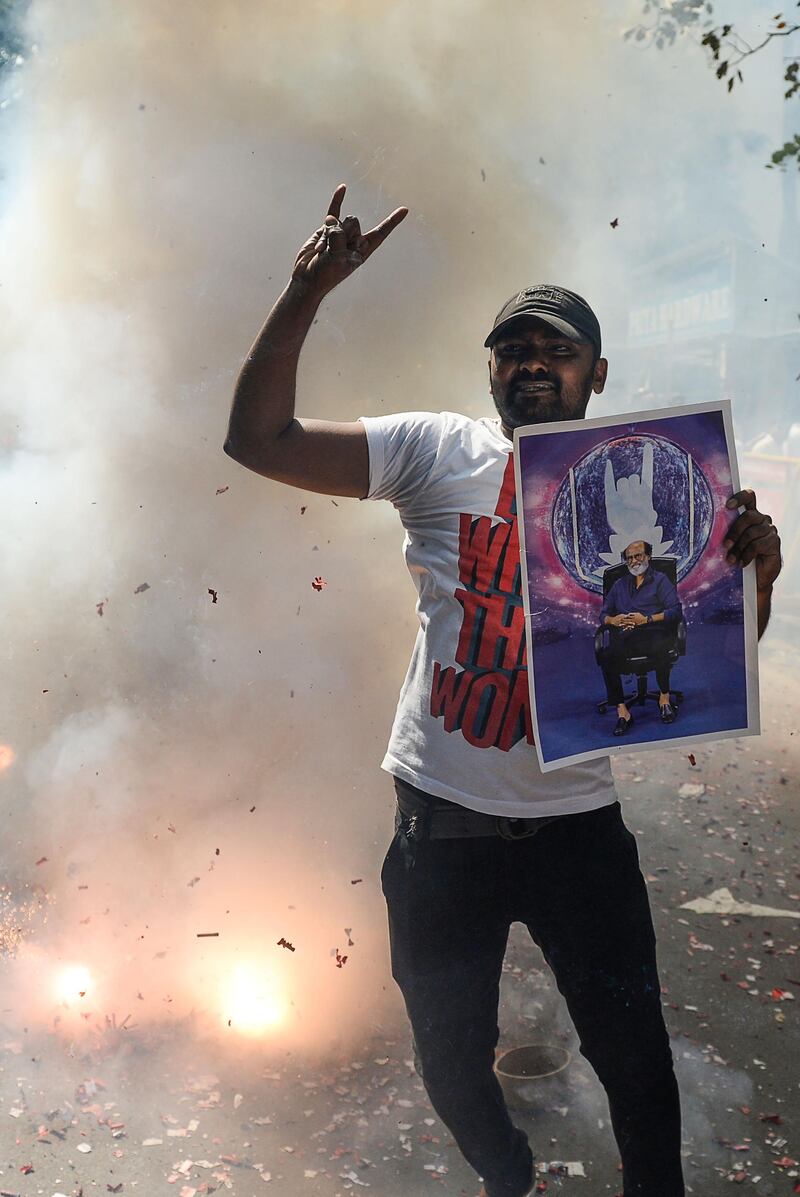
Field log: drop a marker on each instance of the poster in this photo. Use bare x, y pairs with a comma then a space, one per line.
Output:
626, 588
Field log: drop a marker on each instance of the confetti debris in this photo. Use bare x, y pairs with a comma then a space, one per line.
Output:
692, 759
303, 510
749, 949
141, 589
207, 934
221, 489
615, 222
99, 607
213, 594
319, 584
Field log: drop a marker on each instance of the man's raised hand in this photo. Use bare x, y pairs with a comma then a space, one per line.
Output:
338, 247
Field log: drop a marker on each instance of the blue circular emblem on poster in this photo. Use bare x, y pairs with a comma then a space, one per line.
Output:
635, 487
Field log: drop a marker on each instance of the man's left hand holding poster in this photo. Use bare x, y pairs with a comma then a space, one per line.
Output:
632, 569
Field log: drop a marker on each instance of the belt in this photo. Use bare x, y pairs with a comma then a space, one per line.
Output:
425, 817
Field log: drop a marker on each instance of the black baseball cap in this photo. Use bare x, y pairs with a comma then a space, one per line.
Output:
566, 311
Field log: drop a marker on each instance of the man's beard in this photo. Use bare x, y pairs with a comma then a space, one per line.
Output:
519, 408
639, 568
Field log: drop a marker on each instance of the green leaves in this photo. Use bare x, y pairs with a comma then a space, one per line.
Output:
679, 15
789, 150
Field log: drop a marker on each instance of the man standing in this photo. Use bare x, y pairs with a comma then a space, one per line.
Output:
483, 838
645, 599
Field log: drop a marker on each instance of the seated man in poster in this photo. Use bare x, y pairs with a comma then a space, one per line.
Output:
641, 608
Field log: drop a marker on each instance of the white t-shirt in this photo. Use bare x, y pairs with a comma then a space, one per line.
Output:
463, 726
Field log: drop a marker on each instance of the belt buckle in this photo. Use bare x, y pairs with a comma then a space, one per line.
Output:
504, 824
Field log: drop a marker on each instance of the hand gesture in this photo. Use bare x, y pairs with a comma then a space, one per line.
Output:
629, 501
338, 247
621, 621
753, 537
637, 619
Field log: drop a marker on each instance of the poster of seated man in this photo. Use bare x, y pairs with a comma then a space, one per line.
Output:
640, 620
639, 631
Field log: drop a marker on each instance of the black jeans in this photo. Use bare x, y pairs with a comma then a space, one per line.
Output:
577, 887
650, 640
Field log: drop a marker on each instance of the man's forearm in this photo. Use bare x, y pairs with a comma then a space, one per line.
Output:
264, 399
669, 614
764, 606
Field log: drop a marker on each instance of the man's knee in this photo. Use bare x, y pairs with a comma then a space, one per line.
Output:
632, 1066
452, 1054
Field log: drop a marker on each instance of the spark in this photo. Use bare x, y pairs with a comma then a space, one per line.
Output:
19, 918
249, 1001
73, 983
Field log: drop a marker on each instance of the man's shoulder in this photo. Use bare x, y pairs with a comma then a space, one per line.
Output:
447, 432
451, 420
616, 588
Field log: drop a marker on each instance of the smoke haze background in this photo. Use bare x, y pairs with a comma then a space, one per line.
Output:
161, 167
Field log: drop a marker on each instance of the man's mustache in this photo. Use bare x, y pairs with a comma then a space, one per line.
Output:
519, 383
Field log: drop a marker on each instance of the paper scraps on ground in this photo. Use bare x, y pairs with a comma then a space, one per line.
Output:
561, 1168
722, 901
691, 789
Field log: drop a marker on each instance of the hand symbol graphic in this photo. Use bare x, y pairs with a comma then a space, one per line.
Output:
630, 512
629, 501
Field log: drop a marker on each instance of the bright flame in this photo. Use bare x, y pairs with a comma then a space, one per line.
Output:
249, 1001
73, 983
6, 756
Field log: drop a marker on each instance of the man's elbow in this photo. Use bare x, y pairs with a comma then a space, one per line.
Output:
237, 453
260, 458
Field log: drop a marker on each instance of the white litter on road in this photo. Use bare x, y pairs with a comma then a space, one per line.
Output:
722, 901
